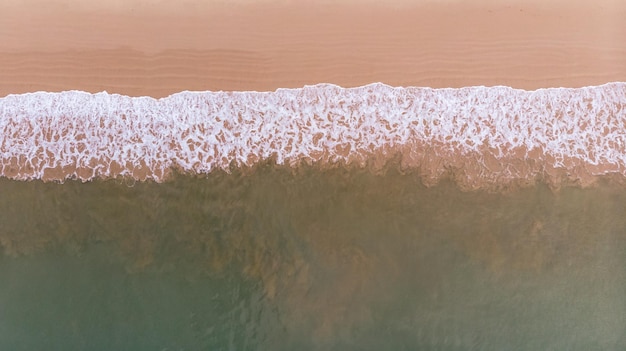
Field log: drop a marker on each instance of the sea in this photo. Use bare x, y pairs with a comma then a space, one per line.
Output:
319, 218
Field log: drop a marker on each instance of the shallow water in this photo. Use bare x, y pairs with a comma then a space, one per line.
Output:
283, 259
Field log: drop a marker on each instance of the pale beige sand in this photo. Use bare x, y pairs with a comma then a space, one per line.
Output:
156, 48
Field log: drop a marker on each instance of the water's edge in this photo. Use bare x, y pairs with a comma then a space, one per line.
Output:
488, 137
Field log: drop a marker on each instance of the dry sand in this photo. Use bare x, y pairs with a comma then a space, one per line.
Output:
156, 48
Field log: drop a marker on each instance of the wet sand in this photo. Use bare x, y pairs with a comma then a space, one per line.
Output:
152, 48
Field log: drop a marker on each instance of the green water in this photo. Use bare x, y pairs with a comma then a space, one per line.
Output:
310, 260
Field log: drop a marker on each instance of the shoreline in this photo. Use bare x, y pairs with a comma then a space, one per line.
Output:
146, 48
487, 137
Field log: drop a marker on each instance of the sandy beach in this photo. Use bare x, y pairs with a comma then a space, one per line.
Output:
157, 48
151, 48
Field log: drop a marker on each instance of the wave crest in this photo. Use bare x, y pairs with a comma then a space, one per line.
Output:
488, 134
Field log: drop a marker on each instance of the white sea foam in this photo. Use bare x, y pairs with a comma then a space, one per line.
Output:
202, 131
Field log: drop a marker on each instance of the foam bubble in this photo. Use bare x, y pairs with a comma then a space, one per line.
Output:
482, 132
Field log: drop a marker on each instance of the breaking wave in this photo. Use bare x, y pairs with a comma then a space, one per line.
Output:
484, 135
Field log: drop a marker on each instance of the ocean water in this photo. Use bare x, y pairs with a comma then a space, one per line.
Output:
310, 258
321, 218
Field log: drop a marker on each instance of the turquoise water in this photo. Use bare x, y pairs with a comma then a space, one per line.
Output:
282, 259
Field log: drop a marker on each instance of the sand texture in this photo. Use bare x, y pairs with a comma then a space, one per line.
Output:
158, 48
